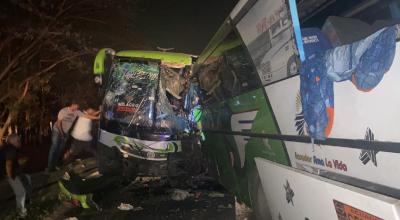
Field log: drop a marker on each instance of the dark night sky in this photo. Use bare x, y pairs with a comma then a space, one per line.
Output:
186, 25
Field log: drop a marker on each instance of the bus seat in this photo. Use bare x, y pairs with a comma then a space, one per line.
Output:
363, 62
379, 24
341, 31
376, 60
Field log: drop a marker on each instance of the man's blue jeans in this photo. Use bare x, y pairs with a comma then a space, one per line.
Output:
56, 149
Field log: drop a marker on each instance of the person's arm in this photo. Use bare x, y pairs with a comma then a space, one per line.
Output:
9, 169
59, 127
92, 117
98, 111
90, 114
60, 117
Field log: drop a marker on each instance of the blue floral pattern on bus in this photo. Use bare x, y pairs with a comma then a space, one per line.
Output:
316, 89
363, 62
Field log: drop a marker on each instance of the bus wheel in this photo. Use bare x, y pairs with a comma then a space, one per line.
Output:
258, 200
108, 160
129, 171
293, 65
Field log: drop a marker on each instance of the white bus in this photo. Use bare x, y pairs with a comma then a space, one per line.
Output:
316, 140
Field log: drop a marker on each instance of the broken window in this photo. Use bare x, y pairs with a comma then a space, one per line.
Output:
147, 95
228, 71
130, 92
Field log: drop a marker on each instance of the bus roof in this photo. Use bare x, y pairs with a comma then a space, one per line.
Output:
167, 57
170, 59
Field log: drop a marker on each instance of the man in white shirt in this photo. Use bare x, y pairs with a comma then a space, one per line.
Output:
82, 134
65, 119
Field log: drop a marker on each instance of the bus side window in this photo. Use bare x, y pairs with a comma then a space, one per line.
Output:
241, 67
228, 71
209, 81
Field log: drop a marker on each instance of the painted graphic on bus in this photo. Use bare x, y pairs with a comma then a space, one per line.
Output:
358, 115
242, 122
269, 38
315, 197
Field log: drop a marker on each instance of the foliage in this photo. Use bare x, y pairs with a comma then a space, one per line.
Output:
46, 56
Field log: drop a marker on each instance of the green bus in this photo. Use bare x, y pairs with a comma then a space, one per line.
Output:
258, 135
145, 125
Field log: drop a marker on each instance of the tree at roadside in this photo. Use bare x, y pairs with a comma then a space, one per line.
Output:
47, 54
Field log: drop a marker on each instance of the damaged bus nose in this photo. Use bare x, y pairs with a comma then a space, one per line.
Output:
148, 100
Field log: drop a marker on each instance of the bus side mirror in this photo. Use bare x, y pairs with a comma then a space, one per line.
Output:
99, 67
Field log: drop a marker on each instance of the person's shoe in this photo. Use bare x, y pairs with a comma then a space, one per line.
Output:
22, 214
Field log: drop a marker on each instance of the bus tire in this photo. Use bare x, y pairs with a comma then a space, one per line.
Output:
293, 65
259, 203
108, 160
129, 170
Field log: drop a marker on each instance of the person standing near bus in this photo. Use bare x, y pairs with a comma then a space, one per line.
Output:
81, 134
60, 133
19, 182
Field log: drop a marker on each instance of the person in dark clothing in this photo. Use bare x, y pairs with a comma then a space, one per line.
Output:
2, 162
19, 182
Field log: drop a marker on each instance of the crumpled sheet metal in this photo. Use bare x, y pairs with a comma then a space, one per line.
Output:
138, 96
130, 90
166, 116
172, 81
209, 79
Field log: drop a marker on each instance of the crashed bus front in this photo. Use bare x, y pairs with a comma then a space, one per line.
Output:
147, 122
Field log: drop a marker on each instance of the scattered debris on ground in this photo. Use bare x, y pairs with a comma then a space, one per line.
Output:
229, 206
180, 195
125, 207
242, 211
216, 195
128, 207
144, 198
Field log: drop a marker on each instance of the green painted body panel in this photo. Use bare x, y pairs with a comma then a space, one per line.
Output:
98, 66
220, 147
169, 57
224, 47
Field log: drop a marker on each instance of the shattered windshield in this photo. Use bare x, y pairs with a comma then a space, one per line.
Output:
130, 92
145, 94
